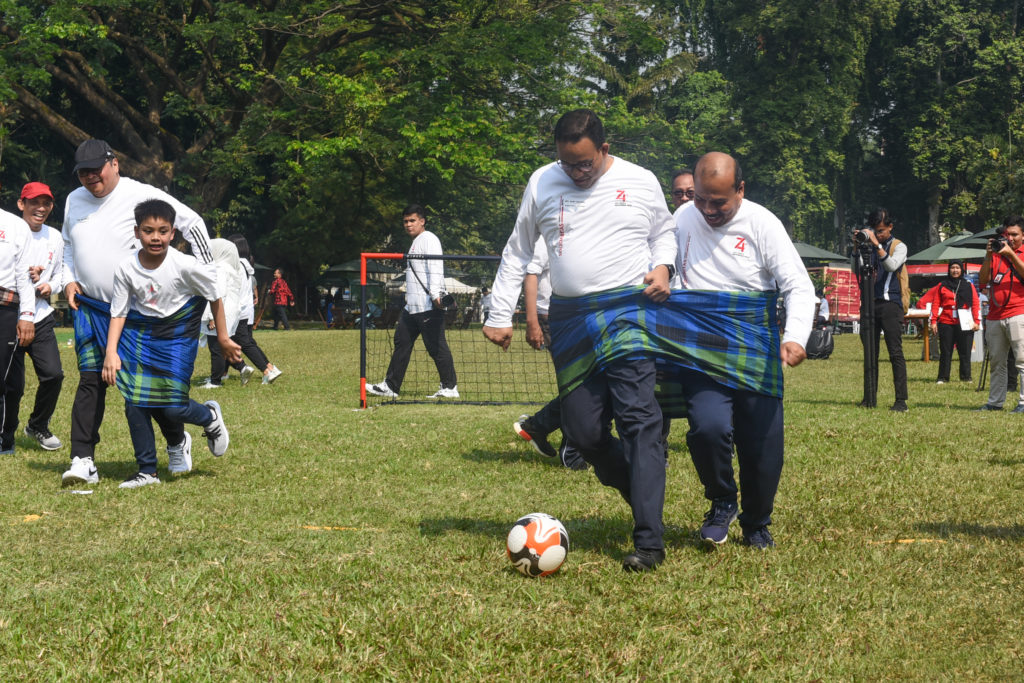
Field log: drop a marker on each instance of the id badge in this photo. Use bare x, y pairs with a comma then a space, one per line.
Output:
998, 278
956, 314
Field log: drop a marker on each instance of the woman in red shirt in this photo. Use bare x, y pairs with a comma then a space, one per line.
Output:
955, 317
281, 295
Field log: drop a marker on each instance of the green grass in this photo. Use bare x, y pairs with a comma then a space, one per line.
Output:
336, 544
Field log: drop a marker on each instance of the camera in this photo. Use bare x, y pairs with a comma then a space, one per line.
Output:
859, 237
997, 243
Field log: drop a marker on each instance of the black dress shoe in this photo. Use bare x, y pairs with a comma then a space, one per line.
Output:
643, 560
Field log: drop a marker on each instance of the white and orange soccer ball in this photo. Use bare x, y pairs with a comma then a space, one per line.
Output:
537, 544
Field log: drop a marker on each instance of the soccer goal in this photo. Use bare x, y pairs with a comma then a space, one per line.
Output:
486, 374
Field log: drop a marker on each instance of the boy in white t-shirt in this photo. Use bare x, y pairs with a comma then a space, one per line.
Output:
158, 298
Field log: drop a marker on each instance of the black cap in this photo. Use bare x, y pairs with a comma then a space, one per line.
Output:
93, 154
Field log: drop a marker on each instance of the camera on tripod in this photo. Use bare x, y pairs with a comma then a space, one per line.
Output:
862, 242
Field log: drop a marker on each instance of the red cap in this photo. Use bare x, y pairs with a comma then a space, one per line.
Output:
33, 190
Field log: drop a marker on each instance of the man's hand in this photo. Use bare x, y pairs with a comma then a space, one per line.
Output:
502, 336
657, 284
231, 351
111, 364
26, 332
534, 334
44, 290
71, 290
34, 272
935, 328
792, 354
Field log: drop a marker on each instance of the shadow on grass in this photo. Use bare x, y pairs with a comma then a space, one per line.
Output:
116, 471
608, 536
947, 529
526, 454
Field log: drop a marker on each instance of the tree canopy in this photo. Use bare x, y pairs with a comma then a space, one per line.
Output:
307, 126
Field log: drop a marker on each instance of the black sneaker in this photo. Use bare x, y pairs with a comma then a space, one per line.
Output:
899, 407
987, 407
643, 560
759, 538
571, 458
526, 431
715, 530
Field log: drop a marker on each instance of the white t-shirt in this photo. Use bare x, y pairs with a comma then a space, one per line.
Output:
46, 249
248, 310
429, 271
163, 290
99, 233
750, 253
539, 266
599, 238
14, 240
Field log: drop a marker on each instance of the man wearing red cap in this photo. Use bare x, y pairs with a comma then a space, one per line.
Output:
99, 233
45, 258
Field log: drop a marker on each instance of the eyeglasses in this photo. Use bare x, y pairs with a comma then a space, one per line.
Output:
582, 167
86, 172
689, 194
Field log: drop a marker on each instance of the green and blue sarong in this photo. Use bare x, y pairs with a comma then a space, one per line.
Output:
157, 354
733, 337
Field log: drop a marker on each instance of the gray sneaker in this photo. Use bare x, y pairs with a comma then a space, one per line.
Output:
44, 438
715, 530
179, 458
247, 374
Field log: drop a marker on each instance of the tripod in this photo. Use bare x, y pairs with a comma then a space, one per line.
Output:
866, 280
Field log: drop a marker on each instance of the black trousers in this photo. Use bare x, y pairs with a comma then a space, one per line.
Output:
950, 335
242, 337
281, 316
45, 357
889, 319
87, 416
634, 463
8, 344
429, 324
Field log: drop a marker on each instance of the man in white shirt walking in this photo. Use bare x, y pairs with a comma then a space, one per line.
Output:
422, 315
604, 222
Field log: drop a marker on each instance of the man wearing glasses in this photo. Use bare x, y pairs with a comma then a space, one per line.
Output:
682, 189
607, 229
99, 233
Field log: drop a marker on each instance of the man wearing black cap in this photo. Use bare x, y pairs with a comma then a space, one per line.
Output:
99, 233
45, 259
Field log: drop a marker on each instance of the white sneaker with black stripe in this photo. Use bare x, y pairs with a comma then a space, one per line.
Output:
138, 481
82, 471
216, 432
179, 458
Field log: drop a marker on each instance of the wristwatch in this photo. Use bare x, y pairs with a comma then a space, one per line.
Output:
671, 270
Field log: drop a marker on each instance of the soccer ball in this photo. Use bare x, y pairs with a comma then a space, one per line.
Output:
537, 544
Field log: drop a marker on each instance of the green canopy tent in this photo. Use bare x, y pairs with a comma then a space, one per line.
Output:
809, 252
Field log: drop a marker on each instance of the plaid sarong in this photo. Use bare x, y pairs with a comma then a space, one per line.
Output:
157, 354
733, 337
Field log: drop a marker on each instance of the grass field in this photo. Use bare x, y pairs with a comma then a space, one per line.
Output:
333, 544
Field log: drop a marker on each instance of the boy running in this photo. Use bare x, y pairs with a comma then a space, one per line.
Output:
158, 298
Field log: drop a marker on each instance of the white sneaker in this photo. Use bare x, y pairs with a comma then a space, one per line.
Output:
274, 373
453, 392
247, 373
216, 432
179, 458
381, 389
224, 376
82, 471
209, 385
45, 439
138, 481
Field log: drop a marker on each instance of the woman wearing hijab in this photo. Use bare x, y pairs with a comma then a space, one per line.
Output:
955, 317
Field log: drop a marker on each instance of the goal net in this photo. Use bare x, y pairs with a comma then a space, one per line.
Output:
486, 374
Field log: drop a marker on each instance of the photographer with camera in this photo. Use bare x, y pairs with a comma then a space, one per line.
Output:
1003, 270
885, 299
423, 312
